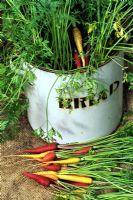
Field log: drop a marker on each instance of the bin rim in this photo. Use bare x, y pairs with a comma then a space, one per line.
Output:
72, 71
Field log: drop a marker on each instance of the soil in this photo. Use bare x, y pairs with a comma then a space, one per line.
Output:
14, 186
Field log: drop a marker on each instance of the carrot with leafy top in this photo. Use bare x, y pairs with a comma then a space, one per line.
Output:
83, 150
49, 174
78, 41
66, 161
34, 156
75, 178
68, 177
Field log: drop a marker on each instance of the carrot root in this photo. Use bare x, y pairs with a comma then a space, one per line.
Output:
46, 147
39, 179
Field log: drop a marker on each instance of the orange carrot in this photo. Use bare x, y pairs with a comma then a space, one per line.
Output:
83, 150
48, 157
44, 148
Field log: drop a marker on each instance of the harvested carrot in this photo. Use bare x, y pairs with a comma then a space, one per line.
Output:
39, 179
75, 178
52, 167
78, 41
79, 184
46, 172
34, 156
49, 174
83, 150
48, 157
66, 161
46, 147
77, 60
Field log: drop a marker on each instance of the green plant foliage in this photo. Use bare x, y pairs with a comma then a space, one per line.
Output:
76, 84
12, 86
48, 137
130, 80
41, 42
48, 43
25, 33
109, 163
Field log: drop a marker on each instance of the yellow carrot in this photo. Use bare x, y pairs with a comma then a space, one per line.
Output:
66, 161
51, 176
75, 178
48, 174
70, 177
78, 41
36, 156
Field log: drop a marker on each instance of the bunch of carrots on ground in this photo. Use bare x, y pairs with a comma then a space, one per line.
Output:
100, 170
53, 168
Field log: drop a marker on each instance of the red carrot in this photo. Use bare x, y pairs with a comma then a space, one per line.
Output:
83, 150
46, 147
49, 157
39, 179
80, 184
77, 60
52, 167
